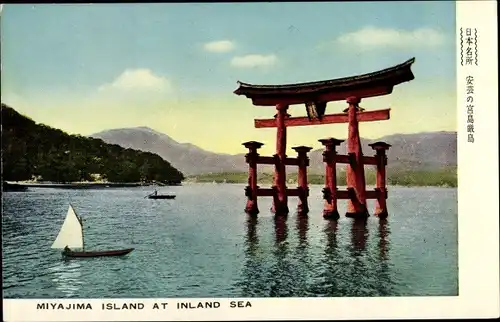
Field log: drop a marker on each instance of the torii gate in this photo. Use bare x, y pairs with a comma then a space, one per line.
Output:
315, 96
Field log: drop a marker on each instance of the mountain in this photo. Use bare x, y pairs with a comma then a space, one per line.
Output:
36, 150
420, 151
186, 157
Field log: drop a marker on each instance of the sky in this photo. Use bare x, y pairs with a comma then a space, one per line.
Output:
173, 67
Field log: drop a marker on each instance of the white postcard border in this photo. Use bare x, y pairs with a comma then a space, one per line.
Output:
478, 228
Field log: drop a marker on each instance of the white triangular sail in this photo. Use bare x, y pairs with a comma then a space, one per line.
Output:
71, 233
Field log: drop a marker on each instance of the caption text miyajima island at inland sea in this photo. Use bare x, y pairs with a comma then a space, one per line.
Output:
162, 305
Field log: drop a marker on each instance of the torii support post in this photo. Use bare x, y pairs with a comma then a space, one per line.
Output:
356, 205
330, 210
303, 163
381, 157
280, 200
251, 190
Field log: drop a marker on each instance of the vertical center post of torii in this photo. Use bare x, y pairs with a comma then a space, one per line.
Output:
356, 205
280, 201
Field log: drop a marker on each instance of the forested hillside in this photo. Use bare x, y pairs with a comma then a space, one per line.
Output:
36, 150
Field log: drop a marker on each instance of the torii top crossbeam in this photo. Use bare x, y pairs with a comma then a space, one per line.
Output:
366, 85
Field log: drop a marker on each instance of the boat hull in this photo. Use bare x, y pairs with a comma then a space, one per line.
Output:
105, 253
162, 197
7, 186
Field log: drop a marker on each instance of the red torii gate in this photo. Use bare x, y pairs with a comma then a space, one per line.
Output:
315, 96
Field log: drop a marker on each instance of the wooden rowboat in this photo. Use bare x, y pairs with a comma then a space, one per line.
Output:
161, 197
120, 252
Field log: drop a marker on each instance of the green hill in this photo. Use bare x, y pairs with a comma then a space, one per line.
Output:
36, 150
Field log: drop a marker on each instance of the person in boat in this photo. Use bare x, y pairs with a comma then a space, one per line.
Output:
66, 250
156, 192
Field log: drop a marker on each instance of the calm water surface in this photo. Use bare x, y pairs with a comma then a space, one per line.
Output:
203, 245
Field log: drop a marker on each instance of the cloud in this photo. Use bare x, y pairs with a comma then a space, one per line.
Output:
220, 46
141, 79
251, 61
385, 37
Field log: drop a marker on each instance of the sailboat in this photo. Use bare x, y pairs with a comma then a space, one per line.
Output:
71, 236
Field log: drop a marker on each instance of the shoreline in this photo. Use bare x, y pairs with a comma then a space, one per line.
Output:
81, 185
85, 185
23, 185
368, 186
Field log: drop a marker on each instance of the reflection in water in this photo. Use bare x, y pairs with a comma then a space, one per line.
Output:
359, 235
383, 231
303, 262
265, 274
302, 228
359, 267
331, 236
68, 277
385, 285
280, 228
370, 267
330, 273
282, 270
251, 240
252, 269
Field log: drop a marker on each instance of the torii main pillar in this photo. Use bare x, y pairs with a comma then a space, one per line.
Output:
280, 201
355, 174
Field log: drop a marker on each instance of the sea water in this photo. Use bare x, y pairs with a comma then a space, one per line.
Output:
202, 244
